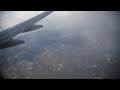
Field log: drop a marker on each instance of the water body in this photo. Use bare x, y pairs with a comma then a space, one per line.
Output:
72, 44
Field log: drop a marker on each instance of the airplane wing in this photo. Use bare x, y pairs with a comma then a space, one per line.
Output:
32, 28
25, 26
11, 43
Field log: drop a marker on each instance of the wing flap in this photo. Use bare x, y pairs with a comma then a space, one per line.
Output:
32, 28
12, 43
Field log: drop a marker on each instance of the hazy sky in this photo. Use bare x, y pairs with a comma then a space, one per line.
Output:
72, 44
